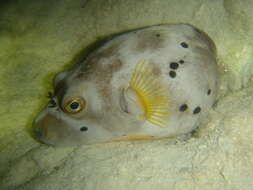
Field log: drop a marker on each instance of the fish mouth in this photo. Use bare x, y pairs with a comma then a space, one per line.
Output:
52, 130
38, 135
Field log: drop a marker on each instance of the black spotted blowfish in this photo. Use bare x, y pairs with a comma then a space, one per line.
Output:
152, 82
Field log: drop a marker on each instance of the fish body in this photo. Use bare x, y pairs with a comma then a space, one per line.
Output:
151, 82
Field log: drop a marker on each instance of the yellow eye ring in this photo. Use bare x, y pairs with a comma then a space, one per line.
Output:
74, 105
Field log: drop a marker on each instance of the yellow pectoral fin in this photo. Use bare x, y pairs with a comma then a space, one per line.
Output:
136, 106
147, 96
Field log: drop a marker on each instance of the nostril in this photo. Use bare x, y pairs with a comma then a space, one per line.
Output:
38, 133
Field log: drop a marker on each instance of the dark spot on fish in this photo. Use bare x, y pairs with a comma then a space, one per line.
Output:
184, 45
183, 107
181, 61
172, 74
84, 128
196, 110
174, 65
148, 40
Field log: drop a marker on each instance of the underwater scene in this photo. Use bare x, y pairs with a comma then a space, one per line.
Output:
124, 94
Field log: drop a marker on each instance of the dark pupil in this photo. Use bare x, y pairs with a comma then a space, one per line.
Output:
74, 105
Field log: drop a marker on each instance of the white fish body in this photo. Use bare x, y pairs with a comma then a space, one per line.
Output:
152, 82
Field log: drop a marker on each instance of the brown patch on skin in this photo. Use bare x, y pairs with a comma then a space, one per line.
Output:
96, 56
149, 40
93, 66
104, 81
101, 74
109, 52
94, 69
156, 70
60, 90
204, 37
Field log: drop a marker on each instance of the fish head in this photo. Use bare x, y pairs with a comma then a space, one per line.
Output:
77, 113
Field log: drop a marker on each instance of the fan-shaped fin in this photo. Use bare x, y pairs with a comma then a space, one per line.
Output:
151, 93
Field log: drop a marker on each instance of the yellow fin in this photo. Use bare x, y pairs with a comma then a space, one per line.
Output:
152, 94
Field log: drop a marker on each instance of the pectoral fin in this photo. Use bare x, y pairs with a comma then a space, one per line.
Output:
146, 96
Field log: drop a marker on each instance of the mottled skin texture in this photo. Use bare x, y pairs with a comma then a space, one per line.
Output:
100, 78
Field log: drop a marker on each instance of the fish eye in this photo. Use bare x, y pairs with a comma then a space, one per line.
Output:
74, 105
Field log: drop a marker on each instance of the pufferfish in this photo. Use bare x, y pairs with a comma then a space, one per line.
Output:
152, 82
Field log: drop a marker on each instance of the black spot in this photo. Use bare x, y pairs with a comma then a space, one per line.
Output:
174, 65
209, 92
181, 61
196, 110
183, 107
84, 128
158, 35
172, 74
74, 105
184, 45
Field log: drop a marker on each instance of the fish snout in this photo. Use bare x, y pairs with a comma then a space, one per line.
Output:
40, 127
53, 130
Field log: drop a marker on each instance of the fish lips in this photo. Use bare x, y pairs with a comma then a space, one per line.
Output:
50, 128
